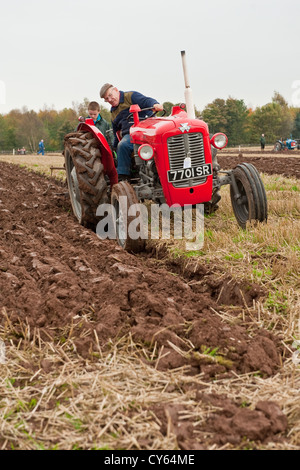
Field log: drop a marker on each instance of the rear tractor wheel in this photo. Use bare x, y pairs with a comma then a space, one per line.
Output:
85, 176
277, 147
248, 196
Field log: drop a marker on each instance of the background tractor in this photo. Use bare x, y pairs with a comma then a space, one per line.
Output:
288, 144
175, 162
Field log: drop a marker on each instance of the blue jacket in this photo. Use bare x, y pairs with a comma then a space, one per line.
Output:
120, 113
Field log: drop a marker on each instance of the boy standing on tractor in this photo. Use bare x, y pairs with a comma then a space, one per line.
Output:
99, 121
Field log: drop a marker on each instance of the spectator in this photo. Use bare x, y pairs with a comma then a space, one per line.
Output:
41, 147
262, 142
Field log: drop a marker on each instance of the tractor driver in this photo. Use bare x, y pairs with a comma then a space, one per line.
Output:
120, 102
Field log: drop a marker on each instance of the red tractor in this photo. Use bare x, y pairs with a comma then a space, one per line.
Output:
175, 162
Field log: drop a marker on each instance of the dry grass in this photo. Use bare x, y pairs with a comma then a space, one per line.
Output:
80, 404
242, 148
266, 254
105, 402
39, 163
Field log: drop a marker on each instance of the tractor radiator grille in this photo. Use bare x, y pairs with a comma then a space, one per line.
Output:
182, 146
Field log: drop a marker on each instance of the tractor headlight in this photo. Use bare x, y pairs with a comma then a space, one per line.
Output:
145, 152
219, 141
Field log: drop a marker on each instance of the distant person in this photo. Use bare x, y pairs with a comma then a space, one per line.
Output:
41, 147
262, 142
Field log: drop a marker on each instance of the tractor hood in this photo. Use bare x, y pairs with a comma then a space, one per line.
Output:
151, 130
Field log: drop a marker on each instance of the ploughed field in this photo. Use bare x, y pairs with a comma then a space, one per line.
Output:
285, 163
105, 349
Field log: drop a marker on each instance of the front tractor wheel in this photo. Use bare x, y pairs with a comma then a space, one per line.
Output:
85, 176
248, 196
122, 198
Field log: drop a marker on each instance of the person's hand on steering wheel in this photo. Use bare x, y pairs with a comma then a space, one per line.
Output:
157, 107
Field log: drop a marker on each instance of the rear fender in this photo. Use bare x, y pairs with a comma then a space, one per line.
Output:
87, 127
106, 153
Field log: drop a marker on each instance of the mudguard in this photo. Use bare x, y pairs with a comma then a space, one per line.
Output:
107, 156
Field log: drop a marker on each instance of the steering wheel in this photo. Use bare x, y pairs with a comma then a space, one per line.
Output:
147, 109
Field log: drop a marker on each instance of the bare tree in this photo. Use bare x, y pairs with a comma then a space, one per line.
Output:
31, 130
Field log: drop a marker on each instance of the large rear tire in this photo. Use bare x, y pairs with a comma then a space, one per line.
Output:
252, 204
277, 147
85, 176
122, 197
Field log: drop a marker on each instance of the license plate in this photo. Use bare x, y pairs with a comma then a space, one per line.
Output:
188, 173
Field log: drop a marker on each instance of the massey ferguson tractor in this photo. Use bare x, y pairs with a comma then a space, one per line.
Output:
174, 161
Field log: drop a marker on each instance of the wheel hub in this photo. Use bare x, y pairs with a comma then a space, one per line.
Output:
75, 191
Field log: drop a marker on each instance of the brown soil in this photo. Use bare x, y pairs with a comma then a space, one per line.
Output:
285, 164
54, 271
228, 424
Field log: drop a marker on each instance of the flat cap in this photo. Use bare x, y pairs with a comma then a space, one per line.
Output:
104, 89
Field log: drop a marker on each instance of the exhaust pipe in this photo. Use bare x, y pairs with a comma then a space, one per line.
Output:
188, 91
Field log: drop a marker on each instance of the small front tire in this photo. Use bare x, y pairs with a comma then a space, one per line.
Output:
251, 205
123, 197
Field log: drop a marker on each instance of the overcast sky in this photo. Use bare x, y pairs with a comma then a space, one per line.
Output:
54, 52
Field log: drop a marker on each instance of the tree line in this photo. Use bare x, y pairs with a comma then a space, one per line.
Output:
243, 125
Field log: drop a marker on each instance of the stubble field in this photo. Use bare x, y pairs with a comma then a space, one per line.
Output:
164, 350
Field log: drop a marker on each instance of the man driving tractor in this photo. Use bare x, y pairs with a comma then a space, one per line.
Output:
120, 102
